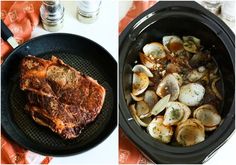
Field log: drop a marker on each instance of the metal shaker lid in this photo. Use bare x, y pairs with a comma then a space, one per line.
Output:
52, 15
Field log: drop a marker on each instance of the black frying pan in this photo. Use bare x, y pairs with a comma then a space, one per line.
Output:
81, 53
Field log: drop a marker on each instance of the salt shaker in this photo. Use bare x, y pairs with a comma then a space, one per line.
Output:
211, 5
88, 10
52, 15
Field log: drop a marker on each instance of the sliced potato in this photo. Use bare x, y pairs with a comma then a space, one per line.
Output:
168, 85
191, 121
160, 105
179, 78
154, 50
142, 108
140, 83
142, 68
159, 131
150, 98
191, 94
190, 132
143, 123
172, 43
208, 115
173, 76
176, 112
190, 135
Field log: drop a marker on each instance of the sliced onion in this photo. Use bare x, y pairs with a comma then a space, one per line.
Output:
195, 75
191, 43
160, 105
196, 40
136, 98
214, 89
210, 128
190, 47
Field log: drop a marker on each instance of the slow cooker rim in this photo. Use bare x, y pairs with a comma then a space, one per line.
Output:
122, 39
194, 6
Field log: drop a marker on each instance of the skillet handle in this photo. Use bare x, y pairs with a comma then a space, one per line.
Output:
7, 35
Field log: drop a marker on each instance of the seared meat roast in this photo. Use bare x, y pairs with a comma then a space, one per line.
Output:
59, 96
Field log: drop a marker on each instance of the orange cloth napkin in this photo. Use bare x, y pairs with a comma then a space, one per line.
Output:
128, 153
21, 18
137, 8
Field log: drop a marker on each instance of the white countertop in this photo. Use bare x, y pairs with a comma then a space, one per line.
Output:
105, 32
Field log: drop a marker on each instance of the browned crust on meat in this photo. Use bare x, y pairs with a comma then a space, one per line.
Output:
59, 96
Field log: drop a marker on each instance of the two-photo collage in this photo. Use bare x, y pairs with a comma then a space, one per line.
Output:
108, 82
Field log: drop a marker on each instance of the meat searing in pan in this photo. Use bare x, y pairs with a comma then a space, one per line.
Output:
60, 97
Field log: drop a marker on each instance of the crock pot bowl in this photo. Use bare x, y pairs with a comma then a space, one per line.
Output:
179, 18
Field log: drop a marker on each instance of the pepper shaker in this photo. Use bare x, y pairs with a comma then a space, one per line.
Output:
52, 15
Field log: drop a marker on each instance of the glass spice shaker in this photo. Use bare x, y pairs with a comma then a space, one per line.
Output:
88, 10
52, 15
211, 5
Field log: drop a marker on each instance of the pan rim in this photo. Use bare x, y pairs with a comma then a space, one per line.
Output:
56, 34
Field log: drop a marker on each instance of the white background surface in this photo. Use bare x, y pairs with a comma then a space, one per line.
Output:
105, 32
226, 155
